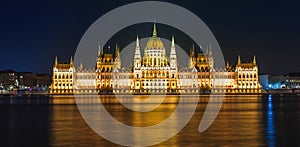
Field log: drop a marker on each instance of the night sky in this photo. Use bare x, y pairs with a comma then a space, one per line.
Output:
34, 32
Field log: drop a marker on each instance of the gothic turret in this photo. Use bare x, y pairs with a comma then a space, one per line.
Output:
192, 58
56, 63
210, 58
71, 61
239, 60
173, 58
117, 61
137, 54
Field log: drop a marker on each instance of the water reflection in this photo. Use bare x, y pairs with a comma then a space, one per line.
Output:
270, 123
242, 121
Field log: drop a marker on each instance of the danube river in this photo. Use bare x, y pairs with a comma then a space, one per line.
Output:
242, 121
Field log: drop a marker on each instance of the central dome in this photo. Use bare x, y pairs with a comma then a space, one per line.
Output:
154, 42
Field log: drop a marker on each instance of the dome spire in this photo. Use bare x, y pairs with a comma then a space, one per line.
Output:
154, 30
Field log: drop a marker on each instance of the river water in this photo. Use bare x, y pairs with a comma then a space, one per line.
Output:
242, 121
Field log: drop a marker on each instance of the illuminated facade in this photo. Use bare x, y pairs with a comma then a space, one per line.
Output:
154, 72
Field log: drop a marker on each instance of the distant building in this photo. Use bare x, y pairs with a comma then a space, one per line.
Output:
264, 81
43, 80
293, 80
273, 81
277, 81
155, 72
27, 79
8, 79
288, 81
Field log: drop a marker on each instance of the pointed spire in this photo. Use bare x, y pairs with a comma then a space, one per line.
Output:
117, 50
99, 50
200, 48
254, 60
192, 51
137, 42
154, 31
173, 50
137, 53
227, 64
210, 51
173, 42
71, 60
56, 61
239, 59
80, 66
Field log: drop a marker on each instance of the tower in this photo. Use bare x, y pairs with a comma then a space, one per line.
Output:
99, 57
210, 58
254, 60
173, 58
192, 58
137, 54
173, 65
117, 62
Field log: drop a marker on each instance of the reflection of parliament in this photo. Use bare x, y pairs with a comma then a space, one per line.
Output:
155, 73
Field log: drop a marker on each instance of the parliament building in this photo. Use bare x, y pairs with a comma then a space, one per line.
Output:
156, 73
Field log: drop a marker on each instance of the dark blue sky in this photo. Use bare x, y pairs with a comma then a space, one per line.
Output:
34, 32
